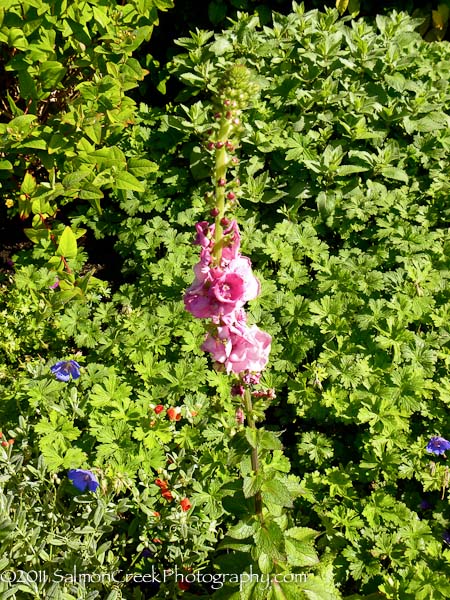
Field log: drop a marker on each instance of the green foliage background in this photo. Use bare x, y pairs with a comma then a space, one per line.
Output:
344, 211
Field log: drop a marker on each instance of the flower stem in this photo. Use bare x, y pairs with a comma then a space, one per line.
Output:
220, 172
254, 454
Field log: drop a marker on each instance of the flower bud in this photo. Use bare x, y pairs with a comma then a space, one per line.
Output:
240, 417
231, 196
210, 145
237, 390
222, 182
214, 211
224, 222
251, 378
219, 145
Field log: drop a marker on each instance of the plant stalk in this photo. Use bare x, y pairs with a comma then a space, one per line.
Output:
248, 406
220, 172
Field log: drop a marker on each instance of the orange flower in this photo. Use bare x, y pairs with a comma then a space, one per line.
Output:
167, 495
174, 413
185, 504
162, 484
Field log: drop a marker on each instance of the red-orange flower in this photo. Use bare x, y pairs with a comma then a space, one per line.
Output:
162, 484
167, 495
185, 504
184, 585
174, 413
158, 408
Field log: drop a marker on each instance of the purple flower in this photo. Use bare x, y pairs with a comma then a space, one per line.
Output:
438, 445
83, 480
425, 505
446, 537
65, 369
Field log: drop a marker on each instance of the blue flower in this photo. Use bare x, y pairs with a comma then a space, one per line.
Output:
438, 445
425, 505
83, 480
65, 369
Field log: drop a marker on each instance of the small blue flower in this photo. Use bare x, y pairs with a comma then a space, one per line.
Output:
83, 480
65, 369
425, 505
438, 445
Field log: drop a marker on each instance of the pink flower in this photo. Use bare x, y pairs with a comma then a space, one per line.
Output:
221, 290
239, 347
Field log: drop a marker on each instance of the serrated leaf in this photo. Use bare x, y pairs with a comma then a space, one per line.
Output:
252, 485
395, 173
275, 492
265, 563
300, 547
269, 539
241, 531
344, 170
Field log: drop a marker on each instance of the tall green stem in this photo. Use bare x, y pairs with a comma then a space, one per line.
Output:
254, 454
220, 172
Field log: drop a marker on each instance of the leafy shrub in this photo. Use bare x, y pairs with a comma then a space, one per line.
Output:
66, 75
344, 198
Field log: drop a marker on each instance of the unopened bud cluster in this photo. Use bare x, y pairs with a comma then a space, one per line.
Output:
235, 93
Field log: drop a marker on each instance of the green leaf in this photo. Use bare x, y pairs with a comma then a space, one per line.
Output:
269, 440
341, 6
241, 531
300, 547
28, 184
51, 74
67, 245
395, 173
141, 167
37, 235
344, 170
252, 485
269, 540
126, 181
275, 492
